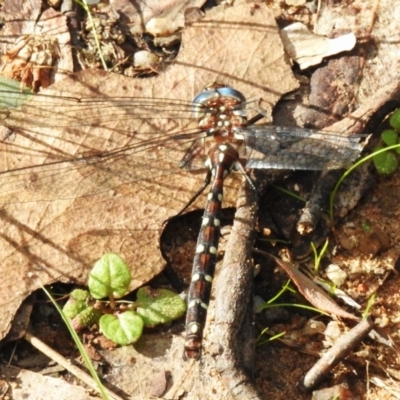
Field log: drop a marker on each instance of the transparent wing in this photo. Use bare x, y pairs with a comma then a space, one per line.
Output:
75, 111
64, 147
299, 148
88, 175
58, 148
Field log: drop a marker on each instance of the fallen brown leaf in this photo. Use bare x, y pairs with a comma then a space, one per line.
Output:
312, 292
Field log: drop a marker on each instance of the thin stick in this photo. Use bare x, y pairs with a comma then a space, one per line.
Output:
58, 358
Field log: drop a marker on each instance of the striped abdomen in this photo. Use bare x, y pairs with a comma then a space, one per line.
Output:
221, 161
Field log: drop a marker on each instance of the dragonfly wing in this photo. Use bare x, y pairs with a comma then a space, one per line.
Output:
299, 148
67, 147
86, 176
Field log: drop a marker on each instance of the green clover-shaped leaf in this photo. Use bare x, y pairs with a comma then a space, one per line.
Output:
110, 276
76, 303
386, 162
394, 119
389, 137
123, 329
158, 306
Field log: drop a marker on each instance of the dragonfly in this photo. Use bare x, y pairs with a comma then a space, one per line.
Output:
212, 132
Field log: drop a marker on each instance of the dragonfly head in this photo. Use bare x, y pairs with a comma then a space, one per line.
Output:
219, 109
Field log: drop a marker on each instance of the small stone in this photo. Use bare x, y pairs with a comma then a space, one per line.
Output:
336, 274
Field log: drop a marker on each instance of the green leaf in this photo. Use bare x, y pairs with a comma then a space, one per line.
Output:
11, 95
385, 163
80, 295
109, 277
123, 328
366, 226
394, 119
79, 310
158, 306
389, 137
86, 318
76, 303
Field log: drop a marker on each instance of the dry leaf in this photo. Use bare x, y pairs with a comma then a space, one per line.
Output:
26, 19
32, 61
377, 26
315, 295
142, 11
308, 49
41, 387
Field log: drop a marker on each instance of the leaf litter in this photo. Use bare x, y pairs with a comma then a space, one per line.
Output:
49, 237
195, 75
78, 219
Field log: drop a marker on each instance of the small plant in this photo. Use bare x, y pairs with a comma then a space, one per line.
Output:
120, 321
318, 256
366, 313
271, 303
261, 341
387, 162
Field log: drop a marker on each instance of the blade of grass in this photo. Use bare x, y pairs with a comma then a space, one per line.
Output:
72, 369
99, 386
370, 303
283, 290
349, 171
303, 306
318, 256
289, 193
85, 6
270, 339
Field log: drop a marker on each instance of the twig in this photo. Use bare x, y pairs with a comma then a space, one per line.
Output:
343, 346
58, 358
232, 330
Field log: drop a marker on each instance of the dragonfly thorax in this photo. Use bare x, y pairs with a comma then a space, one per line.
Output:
224, 155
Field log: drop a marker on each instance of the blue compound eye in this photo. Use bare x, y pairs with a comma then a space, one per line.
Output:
200, 102
225, 91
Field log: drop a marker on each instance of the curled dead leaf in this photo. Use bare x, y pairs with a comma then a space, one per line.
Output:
311, 291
